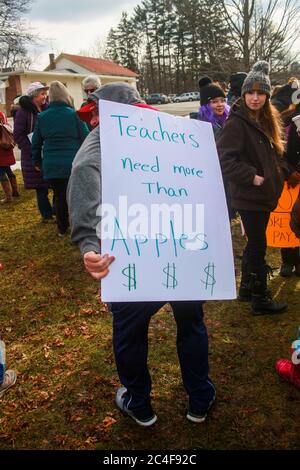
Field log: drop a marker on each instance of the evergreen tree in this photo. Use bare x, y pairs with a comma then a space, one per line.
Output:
172, 42
112, 46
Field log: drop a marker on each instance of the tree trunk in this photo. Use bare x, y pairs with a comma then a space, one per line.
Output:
246, 36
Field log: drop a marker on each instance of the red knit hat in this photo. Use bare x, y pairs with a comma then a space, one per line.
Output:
86, 112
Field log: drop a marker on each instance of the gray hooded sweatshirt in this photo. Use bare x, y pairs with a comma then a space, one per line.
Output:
84, 189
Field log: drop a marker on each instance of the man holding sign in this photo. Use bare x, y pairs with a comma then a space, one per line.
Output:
160, 264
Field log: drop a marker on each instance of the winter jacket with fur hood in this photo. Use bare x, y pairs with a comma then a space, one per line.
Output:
245, 151
24, 123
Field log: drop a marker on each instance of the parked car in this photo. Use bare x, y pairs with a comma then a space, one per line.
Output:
171, 97
190, 96
157, 98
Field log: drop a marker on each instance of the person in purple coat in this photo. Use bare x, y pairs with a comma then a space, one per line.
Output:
30, 105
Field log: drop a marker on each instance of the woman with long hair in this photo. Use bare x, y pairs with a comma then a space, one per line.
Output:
251, 155
57, 137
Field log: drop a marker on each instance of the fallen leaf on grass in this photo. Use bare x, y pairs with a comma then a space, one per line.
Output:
43, 395
46, 351
57, 371
89, 311
76, 419
11, 405
58, 343
63, 292
69, 333
84, 373
91, 440
108, 422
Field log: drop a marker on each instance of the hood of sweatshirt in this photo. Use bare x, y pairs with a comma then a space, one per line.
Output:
119, 92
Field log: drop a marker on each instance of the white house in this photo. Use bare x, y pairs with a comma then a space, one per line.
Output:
67, 68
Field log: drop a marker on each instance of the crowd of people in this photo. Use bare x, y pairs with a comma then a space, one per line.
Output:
259, 148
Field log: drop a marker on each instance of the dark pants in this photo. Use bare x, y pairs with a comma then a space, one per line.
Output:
290, 256
255, 225
6, 173
130, 340
43, 203
59, 187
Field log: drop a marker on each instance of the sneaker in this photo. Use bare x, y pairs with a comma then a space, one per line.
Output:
286, 270
287, 370
61, 234
120, 401
201, 417
10, 378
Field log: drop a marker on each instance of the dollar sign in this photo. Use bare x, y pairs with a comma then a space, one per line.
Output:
210, 277
171, 277
130, 273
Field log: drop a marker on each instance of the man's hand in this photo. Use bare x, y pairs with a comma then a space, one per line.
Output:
258, 180
97, 265
294, 179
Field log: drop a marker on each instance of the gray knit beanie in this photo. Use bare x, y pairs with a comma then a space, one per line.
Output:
258, 79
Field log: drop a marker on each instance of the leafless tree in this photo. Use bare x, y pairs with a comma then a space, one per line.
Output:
97, 49
14, 33
264, 29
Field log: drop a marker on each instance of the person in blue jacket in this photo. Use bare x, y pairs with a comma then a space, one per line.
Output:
58, 135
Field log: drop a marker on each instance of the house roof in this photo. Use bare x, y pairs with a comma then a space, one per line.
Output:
99, 66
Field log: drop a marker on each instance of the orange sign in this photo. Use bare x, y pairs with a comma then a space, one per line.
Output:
279, 233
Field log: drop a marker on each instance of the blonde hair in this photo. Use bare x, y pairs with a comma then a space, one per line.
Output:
58, 92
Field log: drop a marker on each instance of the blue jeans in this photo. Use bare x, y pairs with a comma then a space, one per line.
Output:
43, 203
130, 341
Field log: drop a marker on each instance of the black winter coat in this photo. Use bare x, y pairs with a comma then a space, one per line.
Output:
295, 218
245, 151
293, 146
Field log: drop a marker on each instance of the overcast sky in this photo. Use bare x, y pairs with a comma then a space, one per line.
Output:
73, 25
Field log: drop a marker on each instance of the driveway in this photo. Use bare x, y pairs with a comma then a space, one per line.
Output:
179, 109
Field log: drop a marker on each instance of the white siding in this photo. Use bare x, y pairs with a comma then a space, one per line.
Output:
73, 84
64, 64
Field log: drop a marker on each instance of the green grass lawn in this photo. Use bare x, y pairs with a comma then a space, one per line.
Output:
58, 337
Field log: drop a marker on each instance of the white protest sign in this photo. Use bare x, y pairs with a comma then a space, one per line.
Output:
164, 213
